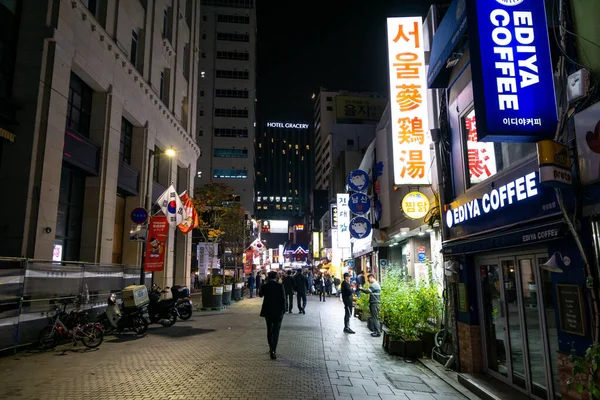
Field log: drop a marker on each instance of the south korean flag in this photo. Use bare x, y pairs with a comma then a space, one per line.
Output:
170, 204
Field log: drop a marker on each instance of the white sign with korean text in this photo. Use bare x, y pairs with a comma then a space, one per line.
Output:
343, 211
408, 101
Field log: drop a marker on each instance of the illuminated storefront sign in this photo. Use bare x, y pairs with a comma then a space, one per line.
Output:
512, 192
359, 108
334, 216
408, 99
415, 205
481, 155
316, 240
513, 83
343, 234
288, 125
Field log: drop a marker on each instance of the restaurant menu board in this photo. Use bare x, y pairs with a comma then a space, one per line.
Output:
570, 309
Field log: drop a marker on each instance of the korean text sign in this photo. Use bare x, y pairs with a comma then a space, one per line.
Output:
408, 101
343, 237
156, 244
513, 83
481, 155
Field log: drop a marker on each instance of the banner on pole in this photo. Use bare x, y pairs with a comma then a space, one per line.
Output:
156, 245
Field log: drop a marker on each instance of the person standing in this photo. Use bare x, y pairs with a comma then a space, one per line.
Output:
251, 282
321, 287
310, 283
374, 292
328, 284
288, 285
301, 286
347, 299
258, 282
273, 308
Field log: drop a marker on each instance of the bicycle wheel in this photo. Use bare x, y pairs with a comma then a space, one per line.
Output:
91, 336
139, 325
49, 337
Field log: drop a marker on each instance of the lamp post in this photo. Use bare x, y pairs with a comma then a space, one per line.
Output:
169, 152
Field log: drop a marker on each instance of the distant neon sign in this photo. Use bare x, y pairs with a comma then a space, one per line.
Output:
288, 125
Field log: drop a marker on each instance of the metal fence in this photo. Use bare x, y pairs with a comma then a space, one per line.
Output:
27, 288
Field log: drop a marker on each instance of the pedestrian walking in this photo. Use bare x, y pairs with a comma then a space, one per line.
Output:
288, 285
258, 282
347, 299
301, 286
320, 285
310, 283
273, 308
251, 282
328, 284
374, 292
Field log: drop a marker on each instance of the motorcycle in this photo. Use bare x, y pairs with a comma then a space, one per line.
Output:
162, 312
183, 302
117, 319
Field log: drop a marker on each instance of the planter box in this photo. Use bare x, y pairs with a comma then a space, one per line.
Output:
364, 316
413, 349
396, 347
357, 312
227, 289
212, 296
386, 339
428, 339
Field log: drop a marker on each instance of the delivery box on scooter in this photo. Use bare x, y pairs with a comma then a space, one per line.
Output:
135, 296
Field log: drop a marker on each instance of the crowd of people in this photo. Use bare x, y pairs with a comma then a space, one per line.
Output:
278, 288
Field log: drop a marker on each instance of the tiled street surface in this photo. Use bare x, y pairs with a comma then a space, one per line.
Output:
224, 355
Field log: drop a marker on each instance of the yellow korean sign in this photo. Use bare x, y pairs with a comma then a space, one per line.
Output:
408, 101
359, 108
555, 163
415, 205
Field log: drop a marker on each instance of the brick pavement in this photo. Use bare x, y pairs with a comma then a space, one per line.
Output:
224, 355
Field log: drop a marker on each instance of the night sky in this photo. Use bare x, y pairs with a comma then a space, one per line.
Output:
338, 45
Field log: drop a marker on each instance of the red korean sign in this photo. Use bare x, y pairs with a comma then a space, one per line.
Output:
156, 244
248, 262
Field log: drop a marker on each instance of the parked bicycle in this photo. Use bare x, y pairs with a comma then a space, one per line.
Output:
70, 326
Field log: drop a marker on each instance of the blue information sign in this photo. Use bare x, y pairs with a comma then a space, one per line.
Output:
360, 227
139, 215
358, 180
513, 83
359, 203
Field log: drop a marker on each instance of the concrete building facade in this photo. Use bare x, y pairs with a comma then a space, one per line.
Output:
104, 88
227, 96
342, 119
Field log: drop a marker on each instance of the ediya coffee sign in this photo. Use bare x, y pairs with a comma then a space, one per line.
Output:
513, 83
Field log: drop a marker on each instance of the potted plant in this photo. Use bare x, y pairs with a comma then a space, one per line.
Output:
585, 372
429, 305
362, 304
227, 289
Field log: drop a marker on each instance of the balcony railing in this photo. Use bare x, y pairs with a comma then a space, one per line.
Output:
81, 153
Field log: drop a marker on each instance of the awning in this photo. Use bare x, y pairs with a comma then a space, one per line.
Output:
446, 38
511, 238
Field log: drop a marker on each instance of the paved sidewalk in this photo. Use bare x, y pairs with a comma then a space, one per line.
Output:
224, 355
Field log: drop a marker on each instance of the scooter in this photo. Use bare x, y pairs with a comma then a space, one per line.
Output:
183, 302
161, 312
117, 319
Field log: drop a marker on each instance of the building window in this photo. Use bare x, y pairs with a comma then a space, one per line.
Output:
166, 32
329, 98
228, 132
203, 55
485, 159
350, 142
134, 47
126, 140
231, 113
204, 18
229, 3
233, 55
233, 19
156, 167
239, 94
229, 74
230, 153
233, 37
186, 61
162, 85
79, 106
201, 113
230, 173
329, 108
70, 213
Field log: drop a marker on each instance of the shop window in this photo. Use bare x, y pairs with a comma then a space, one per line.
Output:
485, 159
70, 213
126, 140
117, 253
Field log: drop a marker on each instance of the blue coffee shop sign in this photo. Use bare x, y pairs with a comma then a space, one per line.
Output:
513, 84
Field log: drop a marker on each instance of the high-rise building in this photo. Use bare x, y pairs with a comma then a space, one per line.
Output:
284, 170
227, 96
104, 89
343, 121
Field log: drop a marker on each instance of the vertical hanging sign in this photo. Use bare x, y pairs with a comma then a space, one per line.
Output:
343, 237
408, 99
156, 244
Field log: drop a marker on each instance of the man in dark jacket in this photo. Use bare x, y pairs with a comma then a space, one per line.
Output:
273, 308
288, 285
251, 282
347, 299
301, 286
258, 281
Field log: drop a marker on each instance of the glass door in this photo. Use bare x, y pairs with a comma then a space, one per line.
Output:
494, 317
